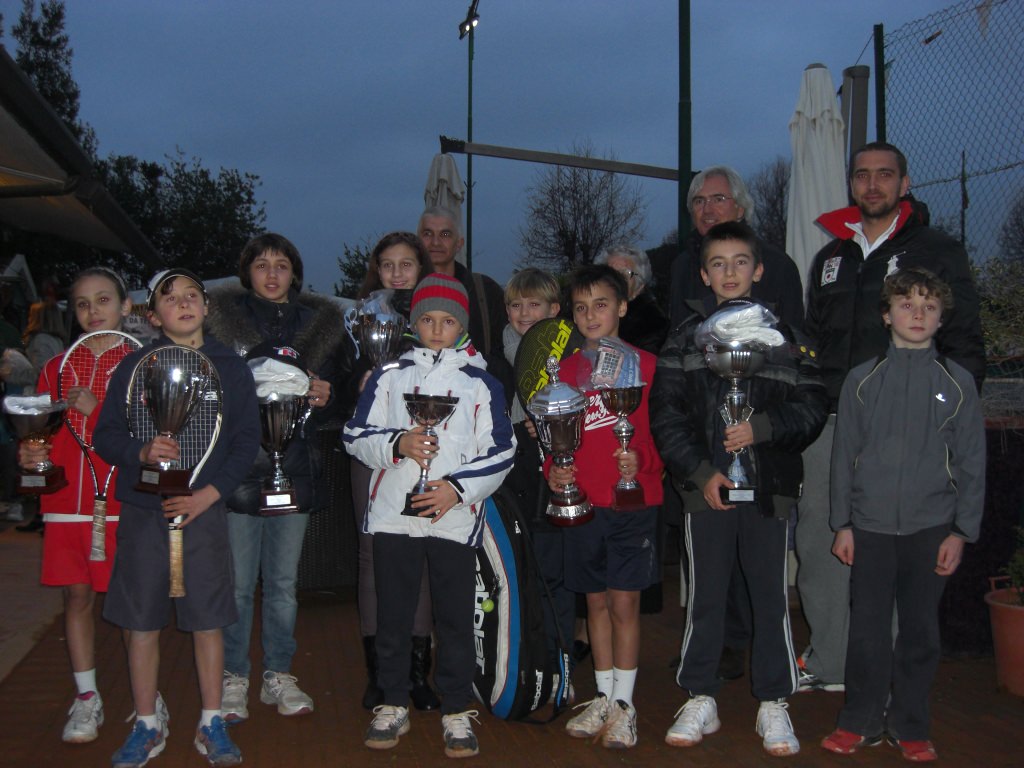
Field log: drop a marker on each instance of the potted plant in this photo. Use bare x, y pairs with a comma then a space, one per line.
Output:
1006, 609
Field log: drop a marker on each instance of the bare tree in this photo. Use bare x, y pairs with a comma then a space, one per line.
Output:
769, 187
572, 213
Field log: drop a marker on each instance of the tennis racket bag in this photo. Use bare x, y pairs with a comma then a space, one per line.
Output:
513, 675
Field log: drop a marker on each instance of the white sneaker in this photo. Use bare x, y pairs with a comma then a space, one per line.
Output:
591, 720
86, 717
774, 727
234, 698
694, 720
389, 723
280, 688
459, 739
620, 728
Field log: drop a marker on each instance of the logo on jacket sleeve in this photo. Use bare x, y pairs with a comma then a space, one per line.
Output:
894, 264
830, 272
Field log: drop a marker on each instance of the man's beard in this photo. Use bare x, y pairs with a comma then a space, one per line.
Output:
879, 210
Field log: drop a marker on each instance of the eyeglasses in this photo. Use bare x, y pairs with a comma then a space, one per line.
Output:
700, 201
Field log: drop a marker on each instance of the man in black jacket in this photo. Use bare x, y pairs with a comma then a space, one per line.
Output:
718, 194
883, 231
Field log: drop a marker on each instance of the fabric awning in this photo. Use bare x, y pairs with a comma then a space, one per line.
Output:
47, 183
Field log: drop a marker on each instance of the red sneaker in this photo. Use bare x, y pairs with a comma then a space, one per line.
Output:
844, 742
916, 751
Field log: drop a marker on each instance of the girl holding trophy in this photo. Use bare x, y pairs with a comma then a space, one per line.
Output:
100, 301
271, 317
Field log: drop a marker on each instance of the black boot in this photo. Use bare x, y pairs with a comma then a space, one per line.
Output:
423, 697
372, 696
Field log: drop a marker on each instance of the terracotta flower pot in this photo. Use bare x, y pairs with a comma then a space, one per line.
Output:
1007, 616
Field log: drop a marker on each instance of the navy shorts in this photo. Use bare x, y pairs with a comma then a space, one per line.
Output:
138, 595
615, 550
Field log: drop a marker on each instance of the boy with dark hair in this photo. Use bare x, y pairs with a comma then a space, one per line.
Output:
612, 557
138, 598
445, 526
789, 409
908, 489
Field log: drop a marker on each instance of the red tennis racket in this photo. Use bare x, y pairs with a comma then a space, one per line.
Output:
84, 374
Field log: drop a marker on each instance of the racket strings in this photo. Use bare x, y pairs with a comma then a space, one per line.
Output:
196, 439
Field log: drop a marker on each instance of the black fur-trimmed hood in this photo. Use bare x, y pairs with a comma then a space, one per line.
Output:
317, 340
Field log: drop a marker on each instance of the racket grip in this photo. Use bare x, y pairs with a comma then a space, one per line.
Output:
98, 548
177, 567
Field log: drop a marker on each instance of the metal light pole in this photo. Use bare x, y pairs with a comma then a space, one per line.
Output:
466, 27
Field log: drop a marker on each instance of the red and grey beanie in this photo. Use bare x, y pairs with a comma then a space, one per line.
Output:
440, 292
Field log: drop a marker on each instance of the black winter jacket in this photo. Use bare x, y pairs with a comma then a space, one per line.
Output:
314, 326
787, 395
844, 318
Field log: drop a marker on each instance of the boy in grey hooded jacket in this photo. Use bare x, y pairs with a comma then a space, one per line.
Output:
908, 487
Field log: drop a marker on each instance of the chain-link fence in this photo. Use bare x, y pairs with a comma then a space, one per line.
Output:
954, 103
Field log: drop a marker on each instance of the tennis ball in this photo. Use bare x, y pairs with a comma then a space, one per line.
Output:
487, 605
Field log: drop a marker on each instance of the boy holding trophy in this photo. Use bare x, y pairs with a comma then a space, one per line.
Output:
425, 504
731, 416
611, 558
138, 598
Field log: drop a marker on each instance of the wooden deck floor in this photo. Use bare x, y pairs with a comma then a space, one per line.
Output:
974, 725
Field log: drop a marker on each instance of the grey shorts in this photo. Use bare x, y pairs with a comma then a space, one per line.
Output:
615, 550
138, 595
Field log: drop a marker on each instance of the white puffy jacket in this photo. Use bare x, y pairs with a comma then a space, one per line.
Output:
476, 446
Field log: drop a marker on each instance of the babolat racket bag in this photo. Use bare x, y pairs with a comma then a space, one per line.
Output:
513, 676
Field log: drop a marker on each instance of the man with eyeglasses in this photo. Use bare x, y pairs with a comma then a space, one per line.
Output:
885, 229
718, 194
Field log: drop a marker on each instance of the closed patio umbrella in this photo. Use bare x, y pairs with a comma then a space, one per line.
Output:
817, 181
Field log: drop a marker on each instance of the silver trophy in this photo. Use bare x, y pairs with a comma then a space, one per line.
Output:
37, 424
736, 361
622, 401
558, 410
428, 411
171, 394
279, 416
375, 329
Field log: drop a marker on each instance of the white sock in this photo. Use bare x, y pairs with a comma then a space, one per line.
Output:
624, 680
206, 717
605, 681
86, 681
152, 721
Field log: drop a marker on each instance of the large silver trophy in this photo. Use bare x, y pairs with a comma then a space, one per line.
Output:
279, 415
171, 394
36, 419
375, 328
428, 411
735, 362
736, 340
282, 389
558, 410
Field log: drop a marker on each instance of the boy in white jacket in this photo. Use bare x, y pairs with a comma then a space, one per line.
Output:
467, 462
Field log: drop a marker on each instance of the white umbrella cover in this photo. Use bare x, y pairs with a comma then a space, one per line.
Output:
817, 181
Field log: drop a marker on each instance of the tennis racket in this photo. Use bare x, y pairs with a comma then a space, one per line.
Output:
175, 392
551, 336
89, 363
